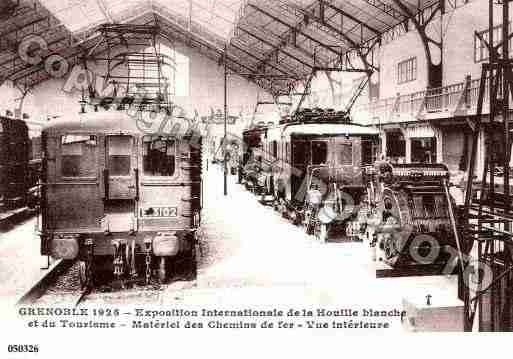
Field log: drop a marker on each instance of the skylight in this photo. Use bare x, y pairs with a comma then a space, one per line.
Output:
216, 16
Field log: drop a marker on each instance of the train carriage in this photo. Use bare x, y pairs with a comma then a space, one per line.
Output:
19, 167
118, 199
313, 167
14, 161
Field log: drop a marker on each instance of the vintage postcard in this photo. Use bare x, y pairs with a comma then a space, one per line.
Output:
176, 172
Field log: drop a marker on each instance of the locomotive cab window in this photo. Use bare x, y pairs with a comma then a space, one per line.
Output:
159, 156
78, 155
119, 149
319, 152
275, 150
299, 152
368, 152
345, 154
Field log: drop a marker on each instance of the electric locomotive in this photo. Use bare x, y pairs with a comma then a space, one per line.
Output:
313, 164
124, 203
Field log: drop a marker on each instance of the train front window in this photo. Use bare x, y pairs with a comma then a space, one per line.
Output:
319, 152
119, 148
159, 155
299, 152
345, 154
368, 152
78, 155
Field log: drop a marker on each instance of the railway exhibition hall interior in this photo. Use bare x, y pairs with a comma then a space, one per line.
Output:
319, 153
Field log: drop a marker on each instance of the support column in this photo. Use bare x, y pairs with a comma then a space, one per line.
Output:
481, 152
439, 145
407, 144
383, 136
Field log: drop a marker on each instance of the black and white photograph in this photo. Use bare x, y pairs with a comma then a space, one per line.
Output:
179, 173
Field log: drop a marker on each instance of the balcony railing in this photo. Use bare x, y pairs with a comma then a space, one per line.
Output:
443, 98
459, 99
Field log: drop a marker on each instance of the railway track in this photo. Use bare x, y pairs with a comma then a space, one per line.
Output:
61, 285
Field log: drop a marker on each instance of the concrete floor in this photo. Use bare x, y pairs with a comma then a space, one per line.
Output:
254, 257
20, 261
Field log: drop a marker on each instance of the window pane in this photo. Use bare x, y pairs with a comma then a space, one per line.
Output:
367, 152
159, 153
299, 149
423, 150
119, 155
319, 152
78, 156
345, 154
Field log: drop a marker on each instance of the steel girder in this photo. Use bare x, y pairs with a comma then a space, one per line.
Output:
386, 9
294, 29
324, 3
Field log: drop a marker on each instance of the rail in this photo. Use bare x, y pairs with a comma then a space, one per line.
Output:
39, 289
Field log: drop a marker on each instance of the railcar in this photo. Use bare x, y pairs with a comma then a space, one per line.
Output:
312, 165
251, 163
19, 166
126, 204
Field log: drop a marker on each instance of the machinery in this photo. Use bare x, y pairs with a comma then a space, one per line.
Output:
310, 167
410, 216
252, 158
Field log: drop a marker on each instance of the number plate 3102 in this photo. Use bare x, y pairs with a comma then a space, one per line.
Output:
163, 211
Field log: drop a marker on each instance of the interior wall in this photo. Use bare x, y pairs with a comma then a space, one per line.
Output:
459, 29
59, 97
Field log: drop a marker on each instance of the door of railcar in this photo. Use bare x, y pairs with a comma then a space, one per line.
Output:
300, 154
346, 159
73, 191
170, 183
370, 149
120, 180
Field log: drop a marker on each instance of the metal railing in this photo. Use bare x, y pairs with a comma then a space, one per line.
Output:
444, 98
445, 101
